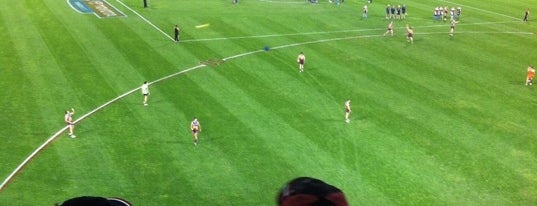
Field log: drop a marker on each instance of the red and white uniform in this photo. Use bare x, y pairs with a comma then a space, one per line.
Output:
68, 118
347, 106
301, 59
195, 126
531, 73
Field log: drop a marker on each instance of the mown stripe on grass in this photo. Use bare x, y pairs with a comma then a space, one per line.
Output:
273, 96
68, 56
413, 89
226, 124
17, 87
273, 132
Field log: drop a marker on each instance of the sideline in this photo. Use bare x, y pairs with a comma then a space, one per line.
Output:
147, 21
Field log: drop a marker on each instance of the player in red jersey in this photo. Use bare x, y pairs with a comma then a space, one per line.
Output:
390, 29
301, 60
195, 126
410, 34
529, 77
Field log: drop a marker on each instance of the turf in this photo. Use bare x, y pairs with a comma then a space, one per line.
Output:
444, 121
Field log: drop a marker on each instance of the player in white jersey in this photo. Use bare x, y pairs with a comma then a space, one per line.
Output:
195, 126
452, 25
145, 92
347, 110
69, 121
364, 12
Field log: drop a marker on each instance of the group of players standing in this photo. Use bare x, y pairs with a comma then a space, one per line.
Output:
439, 13
392, 12
398, 12
195, 126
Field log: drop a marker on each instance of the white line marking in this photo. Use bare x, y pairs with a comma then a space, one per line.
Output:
326, 32
8, 178
147, 21
124, 15
57, 134
29, 158
98, 16
465, 6
178, 73
243, 54
280, 35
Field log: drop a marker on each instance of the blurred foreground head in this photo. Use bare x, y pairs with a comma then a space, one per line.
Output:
94, 201
307, 191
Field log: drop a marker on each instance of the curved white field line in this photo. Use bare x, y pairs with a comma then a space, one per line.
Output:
57, 134
329, 32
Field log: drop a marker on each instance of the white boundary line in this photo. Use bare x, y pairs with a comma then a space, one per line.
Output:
147, 21
124, 15
178, 73
97, 15
57, 134
327, 32
279, 35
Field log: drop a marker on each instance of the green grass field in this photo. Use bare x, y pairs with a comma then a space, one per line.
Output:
444, 121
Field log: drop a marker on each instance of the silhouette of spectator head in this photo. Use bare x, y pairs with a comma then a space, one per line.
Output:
94, 201
307, 191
